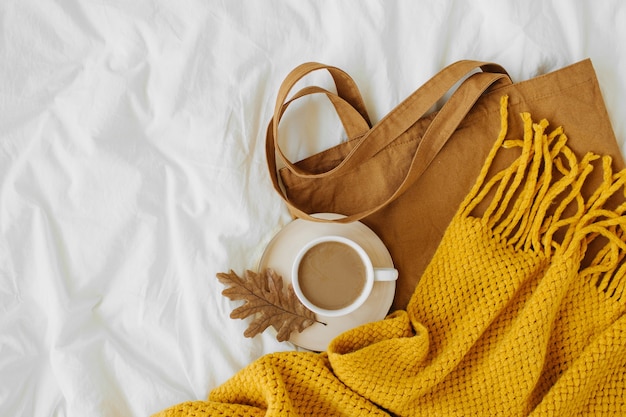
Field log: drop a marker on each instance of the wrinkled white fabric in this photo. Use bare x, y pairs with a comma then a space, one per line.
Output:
132, 166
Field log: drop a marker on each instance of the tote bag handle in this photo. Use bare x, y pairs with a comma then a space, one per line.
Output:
345, 85
396, 122
391, 126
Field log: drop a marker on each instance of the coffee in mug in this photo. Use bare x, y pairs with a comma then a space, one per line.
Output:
333, 275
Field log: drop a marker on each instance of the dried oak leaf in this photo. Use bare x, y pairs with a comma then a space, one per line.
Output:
268, 300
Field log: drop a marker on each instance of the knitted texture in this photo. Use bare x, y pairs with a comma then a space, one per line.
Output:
520, 312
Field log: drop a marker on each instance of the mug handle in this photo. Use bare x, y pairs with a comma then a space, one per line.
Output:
385, 274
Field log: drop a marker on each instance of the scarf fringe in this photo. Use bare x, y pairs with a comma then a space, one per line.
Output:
536, 203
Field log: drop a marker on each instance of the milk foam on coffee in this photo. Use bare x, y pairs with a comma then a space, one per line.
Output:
331, 275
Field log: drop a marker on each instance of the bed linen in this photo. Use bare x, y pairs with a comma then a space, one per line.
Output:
132, 167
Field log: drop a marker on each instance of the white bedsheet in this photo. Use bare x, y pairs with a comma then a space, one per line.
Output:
132, 167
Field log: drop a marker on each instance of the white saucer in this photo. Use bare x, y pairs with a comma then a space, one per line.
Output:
282, 250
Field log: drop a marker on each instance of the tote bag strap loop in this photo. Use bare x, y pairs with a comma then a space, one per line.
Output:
347, 91
346, 87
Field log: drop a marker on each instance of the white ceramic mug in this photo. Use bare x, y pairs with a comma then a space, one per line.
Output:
332, 273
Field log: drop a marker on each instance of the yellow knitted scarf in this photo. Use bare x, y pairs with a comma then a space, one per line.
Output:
520, 312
